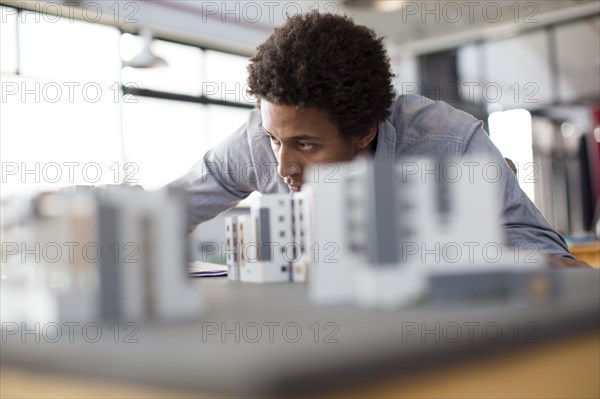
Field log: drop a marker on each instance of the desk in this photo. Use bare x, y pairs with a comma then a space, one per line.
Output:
588, 253
567, 368
371, 358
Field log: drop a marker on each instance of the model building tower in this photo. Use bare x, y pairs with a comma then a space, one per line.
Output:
474, 211
336, 247
247, 248
149, 278
55, 286
232, 249
382, 279
271, 243
136, 260
448, 211
301, 228
391, 224
272, 219
418, 218
381, 206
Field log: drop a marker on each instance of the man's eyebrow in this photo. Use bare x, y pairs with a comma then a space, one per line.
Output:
305, 137
299, 137
267, 132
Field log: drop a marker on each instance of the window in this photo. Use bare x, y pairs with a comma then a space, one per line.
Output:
69, 50
183, 74
162, 138
60, 116
578, 58
8, 40
523, 84
65, 120
181, 112
511, 132
226, 77
220, 122
52, 144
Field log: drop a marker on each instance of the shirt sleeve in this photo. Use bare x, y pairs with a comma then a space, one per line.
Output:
524, 225
221, 179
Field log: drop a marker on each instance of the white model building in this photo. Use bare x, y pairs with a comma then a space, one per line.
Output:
380, 234
134, 267
376, 233
269, 245
232, 250
272, 222
37, 286
247, 247
302, 235
336, 247
153, 281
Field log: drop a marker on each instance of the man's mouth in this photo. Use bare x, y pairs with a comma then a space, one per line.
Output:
293, 184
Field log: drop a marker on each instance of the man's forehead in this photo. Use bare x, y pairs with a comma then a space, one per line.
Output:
282, 111
275, 114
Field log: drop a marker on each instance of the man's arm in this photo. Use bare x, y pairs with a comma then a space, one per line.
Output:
524, 224
221, 179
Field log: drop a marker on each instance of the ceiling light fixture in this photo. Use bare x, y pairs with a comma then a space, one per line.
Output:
146, 58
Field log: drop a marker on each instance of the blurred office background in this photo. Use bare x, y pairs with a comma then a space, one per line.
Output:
138, 91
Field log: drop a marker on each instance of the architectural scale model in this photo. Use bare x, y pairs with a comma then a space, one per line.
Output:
113, 253
383, 235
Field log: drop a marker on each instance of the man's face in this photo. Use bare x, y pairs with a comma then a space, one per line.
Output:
302, 137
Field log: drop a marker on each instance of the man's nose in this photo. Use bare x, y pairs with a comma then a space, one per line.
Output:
288, 165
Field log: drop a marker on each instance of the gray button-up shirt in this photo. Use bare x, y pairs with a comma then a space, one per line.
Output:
416, 127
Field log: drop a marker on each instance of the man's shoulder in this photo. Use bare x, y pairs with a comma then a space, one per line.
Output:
418, 119
251, 134
254, 123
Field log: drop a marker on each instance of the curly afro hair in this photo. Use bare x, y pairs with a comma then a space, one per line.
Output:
328, 62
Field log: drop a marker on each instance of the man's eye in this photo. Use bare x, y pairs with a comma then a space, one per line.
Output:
274, 140
306, 146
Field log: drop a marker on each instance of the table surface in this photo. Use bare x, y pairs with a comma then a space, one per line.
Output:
371, 356
568, 368
587, 252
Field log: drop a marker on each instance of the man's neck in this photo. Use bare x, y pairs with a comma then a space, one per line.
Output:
373, 145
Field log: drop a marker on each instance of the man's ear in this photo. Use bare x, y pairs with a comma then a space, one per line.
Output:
363, 142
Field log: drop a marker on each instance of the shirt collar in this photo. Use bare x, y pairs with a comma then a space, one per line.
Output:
386, 142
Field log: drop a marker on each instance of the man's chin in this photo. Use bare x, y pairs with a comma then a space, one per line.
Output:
295, 189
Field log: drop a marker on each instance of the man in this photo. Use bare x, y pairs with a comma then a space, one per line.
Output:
324, 90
